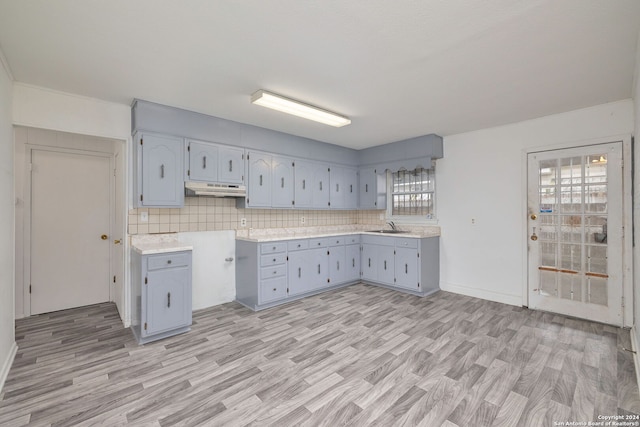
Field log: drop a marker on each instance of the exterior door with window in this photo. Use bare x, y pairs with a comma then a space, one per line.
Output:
575, 232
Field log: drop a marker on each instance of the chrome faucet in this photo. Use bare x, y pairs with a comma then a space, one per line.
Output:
392, 225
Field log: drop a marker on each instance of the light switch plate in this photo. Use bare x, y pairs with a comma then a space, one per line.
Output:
144, 216
301, 220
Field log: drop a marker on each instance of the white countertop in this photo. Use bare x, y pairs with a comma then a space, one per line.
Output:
276, 234
148, 244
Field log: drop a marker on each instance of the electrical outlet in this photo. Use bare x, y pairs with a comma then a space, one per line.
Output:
473, 221
144, 216
243, 222
301, 220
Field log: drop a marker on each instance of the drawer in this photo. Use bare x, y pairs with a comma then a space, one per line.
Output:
336, 241
297, 245
378, 240
318, 243
272, 248
271, 272
272, 290
406, 243
170, 260
352, 239
273, 259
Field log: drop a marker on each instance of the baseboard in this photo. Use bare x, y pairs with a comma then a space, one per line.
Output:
482, 293
636, 355
6, 366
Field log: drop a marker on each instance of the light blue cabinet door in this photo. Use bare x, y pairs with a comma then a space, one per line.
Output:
369, 262
162, 174
337, 195
350, 190
300, 276
168, 300
282, 185
303, 191
386, 264
352, 259
203, 162
231, 165
259, 188
407, 268
337, 265
368, 188
319, 268
320, 186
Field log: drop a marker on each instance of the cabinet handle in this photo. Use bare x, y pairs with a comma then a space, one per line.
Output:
350, 188
282, 182
385, 265
369, 262
366, 188
338, 263
406, 269
204, 162
320, 185
337, 188
169, 261
230, 165
261, 180
299, 271
353, 262
168, 299
304, 184
161, 171
318, 268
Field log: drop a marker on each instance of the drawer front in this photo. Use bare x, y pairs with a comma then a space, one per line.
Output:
171, 260
353, 239
273, 259
273, 290
272, 272
318, 243
378, 240
272, 248
336, 241
297, 245
406, 243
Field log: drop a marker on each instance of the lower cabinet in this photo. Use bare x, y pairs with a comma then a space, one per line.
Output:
369, 262
352, 263
161, 295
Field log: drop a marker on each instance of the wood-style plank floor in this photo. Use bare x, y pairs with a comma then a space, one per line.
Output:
358, 356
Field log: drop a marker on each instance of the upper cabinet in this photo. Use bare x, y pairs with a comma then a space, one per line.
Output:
260, 177
230, 165
282, 187
311, 185
368, 182
160, 171
210, 162
344, 187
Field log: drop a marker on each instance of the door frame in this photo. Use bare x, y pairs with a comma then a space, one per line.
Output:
29, 148
627, 217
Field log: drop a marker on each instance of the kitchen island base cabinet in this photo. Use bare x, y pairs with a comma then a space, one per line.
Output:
161, 295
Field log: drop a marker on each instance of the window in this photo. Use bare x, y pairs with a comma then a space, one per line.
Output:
412, 194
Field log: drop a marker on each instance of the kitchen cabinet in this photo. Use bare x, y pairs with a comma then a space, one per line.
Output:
352, 259
321, 186
300, 267
369, 262
386, 264
160, 171
260, 181
230, 165
203, 161
311, 185
282, 184
344, 187
319, 268
406, 267
337, 264
372, 185
161, 295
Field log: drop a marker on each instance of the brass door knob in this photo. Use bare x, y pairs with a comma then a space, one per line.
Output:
104, 237
534, 237
534, 217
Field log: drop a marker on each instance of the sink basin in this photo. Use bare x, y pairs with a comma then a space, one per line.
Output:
387, 231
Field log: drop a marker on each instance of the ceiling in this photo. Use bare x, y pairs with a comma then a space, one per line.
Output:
398, 69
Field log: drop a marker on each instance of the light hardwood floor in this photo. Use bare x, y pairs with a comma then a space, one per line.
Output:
357, 356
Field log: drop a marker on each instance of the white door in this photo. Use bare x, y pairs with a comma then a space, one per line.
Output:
117, 237
575, 232
69, 230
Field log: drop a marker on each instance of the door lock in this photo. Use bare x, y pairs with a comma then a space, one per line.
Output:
533, 235
104, 237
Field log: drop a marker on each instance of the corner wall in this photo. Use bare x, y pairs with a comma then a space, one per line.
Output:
636, 198
7, 269
481, 177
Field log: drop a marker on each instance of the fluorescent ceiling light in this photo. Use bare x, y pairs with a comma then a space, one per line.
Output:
296, 108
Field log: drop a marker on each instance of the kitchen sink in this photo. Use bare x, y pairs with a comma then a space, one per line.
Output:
387, 231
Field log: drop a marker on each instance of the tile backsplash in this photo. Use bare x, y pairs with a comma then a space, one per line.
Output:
211, 214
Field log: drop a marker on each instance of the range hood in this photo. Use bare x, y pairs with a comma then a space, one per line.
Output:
192, 188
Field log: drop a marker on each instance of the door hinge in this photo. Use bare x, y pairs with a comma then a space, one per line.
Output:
29, 288
328, 169
188, 172
287, 290
327, 252
247, 200
293, 164
141, 197
140, 141
146, 281
328, 280
189, 147
293, 202
247, 156
418, 284
242, 178
114, 279
394, 251
394, 280
418, 254
329, 203
623, 302
287, 257
145, 326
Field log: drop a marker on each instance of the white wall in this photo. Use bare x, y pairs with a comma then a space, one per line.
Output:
481, 177
636, 195
7, 334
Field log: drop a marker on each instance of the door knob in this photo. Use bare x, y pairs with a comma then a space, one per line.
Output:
534, 217
104, 237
